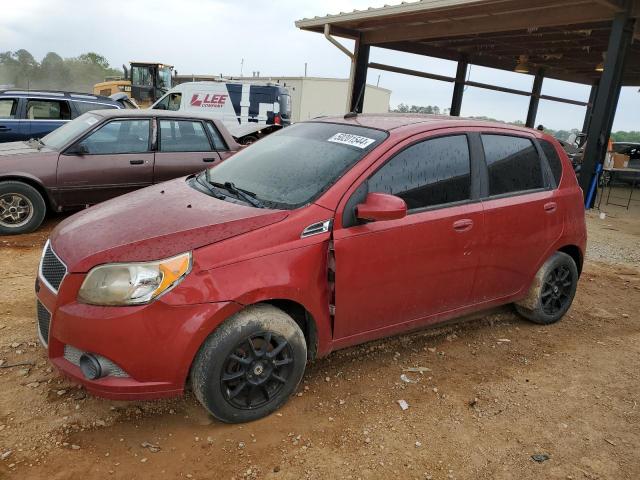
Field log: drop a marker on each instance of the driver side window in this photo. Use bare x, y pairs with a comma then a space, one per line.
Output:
170, 102
119, 136
428, 174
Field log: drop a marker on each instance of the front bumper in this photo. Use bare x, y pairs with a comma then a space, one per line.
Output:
153, 344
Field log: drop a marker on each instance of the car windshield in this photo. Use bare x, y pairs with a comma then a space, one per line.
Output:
164, 78
294, 166
63, 135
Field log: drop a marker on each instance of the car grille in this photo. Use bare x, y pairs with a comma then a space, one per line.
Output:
44, 322
52, 270
73, 354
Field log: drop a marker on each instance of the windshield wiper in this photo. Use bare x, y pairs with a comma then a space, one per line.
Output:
241, 193
207, 185
37, 141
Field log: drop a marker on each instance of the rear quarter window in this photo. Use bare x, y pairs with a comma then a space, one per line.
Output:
554, 160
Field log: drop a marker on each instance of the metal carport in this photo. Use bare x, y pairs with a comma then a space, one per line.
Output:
593, 42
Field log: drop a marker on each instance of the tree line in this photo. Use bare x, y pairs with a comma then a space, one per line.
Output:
19, 69
619, 136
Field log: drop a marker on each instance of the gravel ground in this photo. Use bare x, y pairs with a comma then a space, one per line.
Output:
494, 392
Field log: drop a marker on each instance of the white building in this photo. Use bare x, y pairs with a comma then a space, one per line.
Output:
314, 96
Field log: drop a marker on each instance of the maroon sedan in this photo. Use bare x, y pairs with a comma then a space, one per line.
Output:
100, 155
324, 235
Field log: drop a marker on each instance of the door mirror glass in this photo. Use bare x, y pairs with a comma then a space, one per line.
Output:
78, 149
381, 206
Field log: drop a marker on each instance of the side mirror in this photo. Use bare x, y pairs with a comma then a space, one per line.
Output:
381, 206
78, 149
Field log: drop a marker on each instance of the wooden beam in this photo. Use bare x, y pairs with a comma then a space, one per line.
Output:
469, 11
614, 5
550, 17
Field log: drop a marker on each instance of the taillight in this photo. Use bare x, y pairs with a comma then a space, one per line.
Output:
277, 120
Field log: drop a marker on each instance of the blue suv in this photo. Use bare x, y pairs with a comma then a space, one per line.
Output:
33, 114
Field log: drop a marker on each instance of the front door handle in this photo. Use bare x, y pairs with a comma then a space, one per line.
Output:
136, 162
209, 159
550, 207
463, 225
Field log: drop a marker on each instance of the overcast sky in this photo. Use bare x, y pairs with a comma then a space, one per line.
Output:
213, 36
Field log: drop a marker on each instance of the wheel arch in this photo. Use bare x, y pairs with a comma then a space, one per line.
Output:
574, 252
303, 318
32, 182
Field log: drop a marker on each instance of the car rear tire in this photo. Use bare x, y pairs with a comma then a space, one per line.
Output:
250, 365
22, 208
552, 291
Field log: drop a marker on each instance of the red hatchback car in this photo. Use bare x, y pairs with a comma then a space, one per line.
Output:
327, 234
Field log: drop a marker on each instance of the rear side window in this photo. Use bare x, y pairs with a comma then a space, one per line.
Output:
183, 136
8, 107
513, 163
218, 142
554, 160
48, 110
427, 174
84, 107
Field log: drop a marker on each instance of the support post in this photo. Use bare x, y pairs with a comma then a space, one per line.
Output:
458, 87
358, 85
606, 100
534, 101
589, 112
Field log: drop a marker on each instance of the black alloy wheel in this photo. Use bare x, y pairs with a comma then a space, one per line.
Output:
556, 290
257, 370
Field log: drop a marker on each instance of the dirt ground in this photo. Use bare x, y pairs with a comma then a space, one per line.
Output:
496, 390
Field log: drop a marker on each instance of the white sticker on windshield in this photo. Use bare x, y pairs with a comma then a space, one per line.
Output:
91, 121
353, 140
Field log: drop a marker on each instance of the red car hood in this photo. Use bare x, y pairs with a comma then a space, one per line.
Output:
153, 223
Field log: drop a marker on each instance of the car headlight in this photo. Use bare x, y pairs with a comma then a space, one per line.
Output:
133, 283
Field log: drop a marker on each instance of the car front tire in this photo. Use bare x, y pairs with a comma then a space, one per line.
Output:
250, 365
22, 208
552, 291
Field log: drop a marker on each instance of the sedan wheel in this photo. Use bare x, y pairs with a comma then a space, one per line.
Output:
15, 210
22, 208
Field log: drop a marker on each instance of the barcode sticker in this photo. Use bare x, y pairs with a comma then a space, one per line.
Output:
352, 140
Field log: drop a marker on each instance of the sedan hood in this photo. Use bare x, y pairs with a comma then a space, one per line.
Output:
151, 224
21, 148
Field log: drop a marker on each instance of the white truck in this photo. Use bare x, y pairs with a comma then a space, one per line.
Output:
250, 111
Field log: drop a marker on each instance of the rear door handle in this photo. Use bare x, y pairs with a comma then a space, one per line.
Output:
463, 225
550, 207
209, 159
136, 162
4, 128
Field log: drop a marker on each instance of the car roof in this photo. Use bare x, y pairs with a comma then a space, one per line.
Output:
151, 112
394, 121
55, 93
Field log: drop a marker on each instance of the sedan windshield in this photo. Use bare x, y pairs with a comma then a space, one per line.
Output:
296, 165
70, 130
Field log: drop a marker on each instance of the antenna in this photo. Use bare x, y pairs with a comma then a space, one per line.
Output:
354, 113
241, 66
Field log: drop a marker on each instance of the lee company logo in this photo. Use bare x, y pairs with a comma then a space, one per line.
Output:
208, 100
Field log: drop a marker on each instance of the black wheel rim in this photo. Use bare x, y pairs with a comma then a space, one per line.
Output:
556, 290
256, 371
